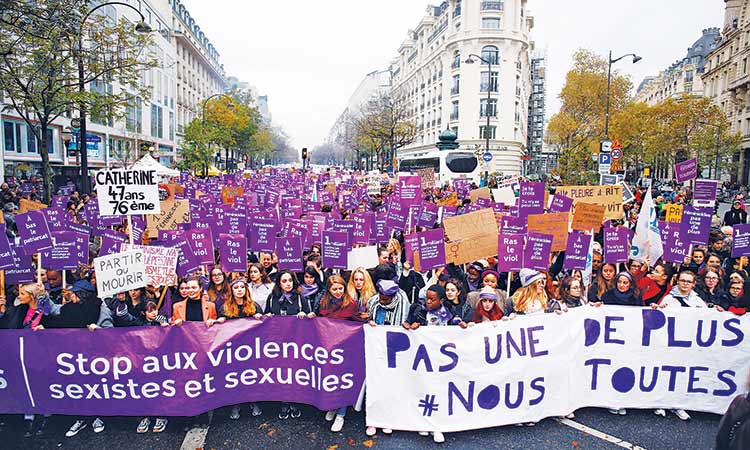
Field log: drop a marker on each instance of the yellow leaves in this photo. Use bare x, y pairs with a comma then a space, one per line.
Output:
368, 443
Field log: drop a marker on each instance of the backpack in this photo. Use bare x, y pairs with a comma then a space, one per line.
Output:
734, 428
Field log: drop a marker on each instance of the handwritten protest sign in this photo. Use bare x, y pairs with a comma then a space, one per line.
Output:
555, 224
588, 216
470, 225
609, 196
449, 200
427, 175
125, 192
160, 262
674, 213
173, 213
120, 272
25, 205
229, 193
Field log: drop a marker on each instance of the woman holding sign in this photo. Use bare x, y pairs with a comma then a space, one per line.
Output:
337, 304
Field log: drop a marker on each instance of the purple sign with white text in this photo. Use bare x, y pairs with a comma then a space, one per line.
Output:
233, 252
686, 170
537, 251
577, 250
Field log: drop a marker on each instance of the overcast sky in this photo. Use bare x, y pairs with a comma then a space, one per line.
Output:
309, 56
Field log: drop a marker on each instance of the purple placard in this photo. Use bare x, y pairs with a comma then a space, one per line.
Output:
22, 270
740, 240
696, 224
335, 249
362, 227
411, 189
299, 229
186, 259
56, 219
509, 252
428, 215
449, 211
686, 170
431, 249
397, 215
380, 232
202, 245
262, 234
411, 245
233, 252
560, 203
537, 251
6, 253
615, 245
514, 225
111, 241
33, 232
675, 247
206, 382
483, 203
704, 193
289, 252
63, 255
531, 199
577, 250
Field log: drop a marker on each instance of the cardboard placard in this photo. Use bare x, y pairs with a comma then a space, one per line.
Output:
127, 192
609, 196
469, 250
29, 205
588, 216
428, 177
674, 213
555, 224
173, 213
120, 272
479, 193
476, 224
228, 193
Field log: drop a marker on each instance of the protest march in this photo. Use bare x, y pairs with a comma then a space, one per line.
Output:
436, 308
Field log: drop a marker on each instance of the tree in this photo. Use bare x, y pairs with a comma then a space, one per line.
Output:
385, 119
579, 125
38, 66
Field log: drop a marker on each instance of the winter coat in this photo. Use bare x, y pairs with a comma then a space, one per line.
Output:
676, 298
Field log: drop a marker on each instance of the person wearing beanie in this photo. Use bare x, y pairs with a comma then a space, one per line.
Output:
625, 292
473, 273
487, 310
531, 298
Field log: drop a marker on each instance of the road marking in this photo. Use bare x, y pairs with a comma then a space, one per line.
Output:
195, 438
25, 373
599, 434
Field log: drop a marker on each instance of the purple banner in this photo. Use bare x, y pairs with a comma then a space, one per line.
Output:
509, 252
740, 240
182, 371
615, 245
696, 225
335, 249
233, 252
289, 251
577, 250
537, 251
686, 170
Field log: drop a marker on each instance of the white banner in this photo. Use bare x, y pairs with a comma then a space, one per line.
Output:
450, 379
127, 192
120, 272
160, 262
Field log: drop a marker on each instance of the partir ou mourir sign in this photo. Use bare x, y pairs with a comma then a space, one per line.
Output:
127, 192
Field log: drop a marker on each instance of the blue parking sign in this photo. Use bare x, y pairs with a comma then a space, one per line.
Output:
605, 158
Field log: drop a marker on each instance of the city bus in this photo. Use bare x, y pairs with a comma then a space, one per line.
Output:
448, 164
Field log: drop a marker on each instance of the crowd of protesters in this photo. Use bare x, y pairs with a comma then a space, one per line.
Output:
392, 293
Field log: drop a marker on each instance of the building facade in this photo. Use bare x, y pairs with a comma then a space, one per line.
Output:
682, 77
148, 126
444, 91
540, 161
373, 84
727, 81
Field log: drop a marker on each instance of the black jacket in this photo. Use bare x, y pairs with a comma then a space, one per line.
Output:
299, 304
735, 216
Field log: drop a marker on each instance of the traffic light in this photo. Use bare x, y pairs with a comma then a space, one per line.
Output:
304, 153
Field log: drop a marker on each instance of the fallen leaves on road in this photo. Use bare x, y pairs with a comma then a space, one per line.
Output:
333, 447
368, 443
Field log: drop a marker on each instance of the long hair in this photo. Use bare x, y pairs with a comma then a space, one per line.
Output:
526, 295
564, 289
214, 289
325, 302
264, 278
231, 308
315, 274
495, 313
461, 288
603, 285
368, 289
277, 291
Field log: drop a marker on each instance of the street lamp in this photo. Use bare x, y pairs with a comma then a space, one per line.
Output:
718, 148
230, 104
636, 58
470, 60
140, 27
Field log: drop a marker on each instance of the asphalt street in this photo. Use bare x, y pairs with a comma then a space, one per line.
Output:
639, 429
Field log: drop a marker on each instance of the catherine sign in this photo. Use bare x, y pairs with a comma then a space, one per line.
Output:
523, 370
127, 192
182, 371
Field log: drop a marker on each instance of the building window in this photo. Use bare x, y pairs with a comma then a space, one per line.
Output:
491, 23
483, 134
11, 137
488, 107
490, 54
157, 127
30, 140
495, 5
456, 84
456, 60
454, 111
133, 115
171, 126
689, 76
488, 82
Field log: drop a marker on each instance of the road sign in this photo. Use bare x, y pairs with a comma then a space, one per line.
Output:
616, 166
75, 123
616, 145
605, 159
605, 146
616, 154
487, 157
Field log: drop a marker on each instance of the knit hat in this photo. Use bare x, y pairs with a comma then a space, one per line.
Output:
238, 280
488, 293
529, 276
626, 275
490, 272
387, 287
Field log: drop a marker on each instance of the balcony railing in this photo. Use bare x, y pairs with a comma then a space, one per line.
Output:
454, 116
456, 64
484, 87
492, 6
